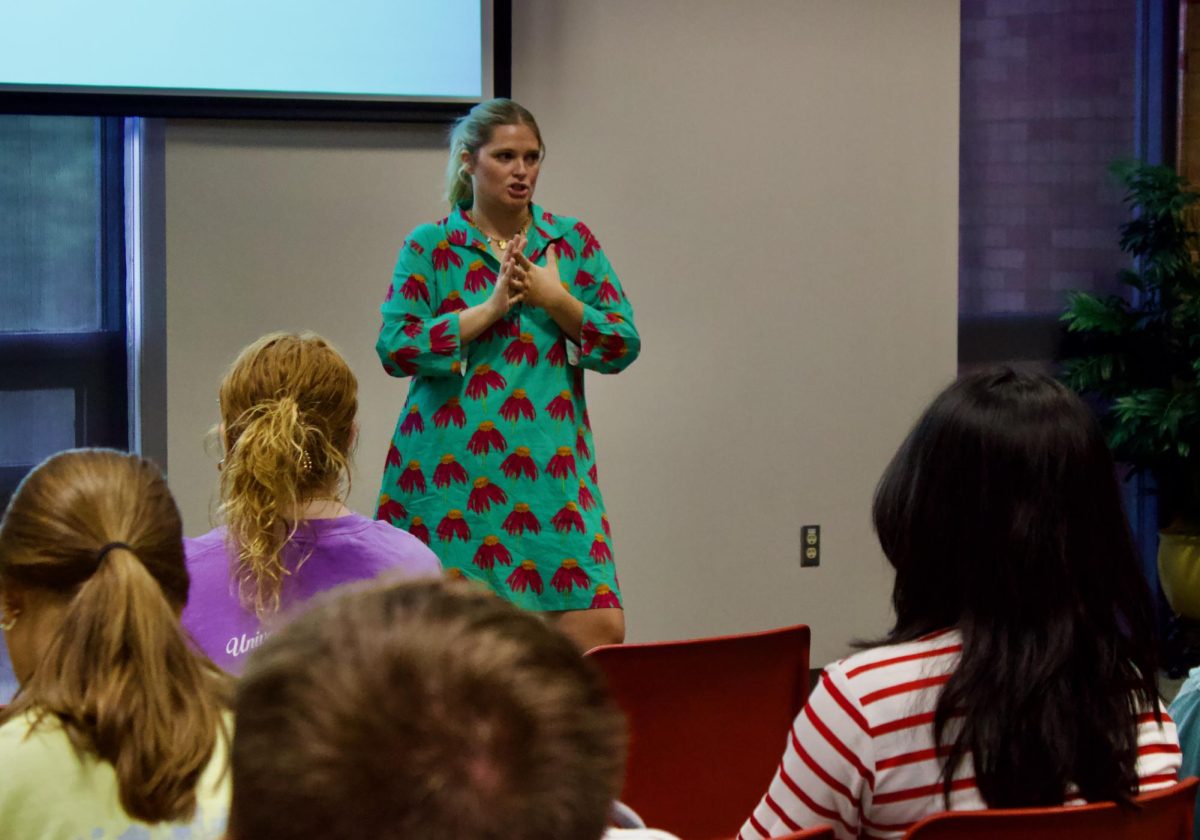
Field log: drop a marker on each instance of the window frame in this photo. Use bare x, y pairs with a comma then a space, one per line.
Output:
1041, 337
91, 364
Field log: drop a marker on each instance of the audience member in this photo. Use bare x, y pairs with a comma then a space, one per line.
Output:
287, 427
423, 709
119, 728
1021, 668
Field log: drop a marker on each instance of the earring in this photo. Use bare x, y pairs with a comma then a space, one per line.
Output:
220, 465
9, 622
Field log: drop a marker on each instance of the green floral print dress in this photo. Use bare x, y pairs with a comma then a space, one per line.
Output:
492, 462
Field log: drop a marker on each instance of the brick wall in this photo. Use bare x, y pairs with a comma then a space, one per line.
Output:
1189, 99
1047, 102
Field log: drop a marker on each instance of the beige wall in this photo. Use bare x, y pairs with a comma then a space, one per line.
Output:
776, 183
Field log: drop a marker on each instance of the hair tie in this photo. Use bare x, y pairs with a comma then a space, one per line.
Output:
100, 555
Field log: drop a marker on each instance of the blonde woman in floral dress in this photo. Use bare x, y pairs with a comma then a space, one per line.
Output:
495, 312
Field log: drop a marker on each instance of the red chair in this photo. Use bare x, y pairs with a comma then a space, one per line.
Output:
1164, 815
708, 721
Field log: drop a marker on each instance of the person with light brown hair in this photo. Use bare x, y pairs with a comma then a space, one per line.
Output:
423, 709
119, 727
287, 427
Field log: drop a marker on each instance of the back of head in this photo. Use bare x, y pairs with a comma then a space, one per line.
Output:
1001, 515
96, 534
472, 131
288, 404
422, 710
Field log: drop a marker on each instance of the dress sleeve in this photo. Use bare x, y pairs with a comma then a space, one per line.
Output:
827, 771
419, 335
609, 340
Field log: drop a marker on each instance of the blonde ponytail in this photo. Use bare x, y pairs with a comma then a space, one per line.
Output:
288, 404
119, 675
277, 464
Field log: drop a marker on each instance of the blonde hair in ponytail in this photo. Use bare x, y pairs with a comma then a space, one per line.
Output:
119, 673
288, 404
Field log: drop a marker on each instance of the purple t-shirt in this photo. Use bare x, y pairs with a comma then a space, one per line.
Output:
349, 548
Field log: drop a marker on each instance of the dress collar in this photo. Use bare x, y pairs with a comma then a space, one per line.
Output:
544, 228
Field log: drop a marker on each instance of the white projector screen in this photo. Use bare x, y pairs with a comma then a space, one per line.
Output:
230, 57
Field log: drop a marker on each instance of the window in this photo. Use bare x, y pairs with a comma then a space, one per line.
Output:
1049, 99
63, 376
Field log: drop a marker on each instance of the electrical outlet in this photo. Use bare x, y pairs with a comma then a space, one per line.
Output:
810, 545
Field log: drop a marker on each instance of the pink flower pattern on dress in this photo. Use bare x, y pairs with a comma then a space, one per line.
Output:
393, 456
562, 407
413, 423
449, 471
522, 351
479, 277
562, 463
520, 463
569, 576
412, 480
390, 509
517, 406
485, 494
525, 576
453, 527
450, 412
415, 288
568, 519
487, 438
453, 302
491, 551
586, 500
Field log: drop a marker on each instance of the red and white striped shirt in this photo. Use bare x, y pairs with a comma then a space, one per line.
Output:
861, 755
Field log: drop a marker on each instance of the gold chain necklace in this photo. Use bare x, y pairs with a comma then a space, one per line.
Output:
502, 244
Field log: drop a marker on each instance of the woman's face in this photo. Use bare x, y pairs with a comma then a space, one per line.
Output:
504, 171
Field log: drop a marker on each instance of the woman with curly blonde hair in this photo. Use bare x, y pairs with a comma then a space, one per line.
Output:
288, 405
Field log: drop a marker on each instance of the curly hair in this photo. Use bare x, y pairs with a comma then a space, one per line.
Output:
288, 404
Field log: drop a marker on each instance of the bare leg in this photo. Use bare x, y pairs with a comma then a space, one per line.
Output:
591, 628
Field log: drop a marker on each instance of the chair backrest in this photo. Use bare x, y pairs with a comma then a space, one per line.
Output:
1163, 815
708, 721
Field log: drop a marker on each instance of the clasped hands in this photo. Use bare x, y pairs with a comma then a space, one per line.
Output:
520, 280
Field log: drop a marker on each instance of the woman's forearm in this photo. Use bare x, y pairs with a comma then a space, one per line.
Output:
475, 319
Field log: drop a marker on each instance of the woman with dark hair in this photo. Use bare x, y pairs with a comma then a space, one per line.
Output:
1021, 668
495, 312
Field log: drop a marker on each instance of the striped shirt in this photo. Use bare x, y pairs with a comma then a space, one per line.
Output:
861, 755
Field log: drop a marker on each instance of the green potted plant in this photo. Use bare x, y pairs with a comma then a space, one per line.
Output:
1141, 357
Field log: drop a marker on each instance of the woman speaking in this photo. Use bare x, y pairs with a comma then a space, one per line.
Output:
495, 311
